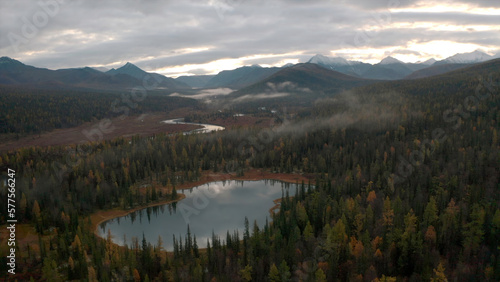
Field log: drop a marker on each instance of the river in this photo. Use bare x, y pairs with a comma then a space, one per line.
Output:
207, 128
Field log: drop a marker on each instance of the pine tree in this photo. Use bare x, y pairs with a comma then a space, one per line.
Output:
274, 274
319, 275
246, 273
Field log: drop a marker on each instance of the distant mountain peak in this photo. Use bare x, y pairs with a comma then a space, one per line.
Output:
390, 60
328, 61
468, 58
7, 63
129, 69
429, 62
9, 60
319, 57
129, 65
101, 69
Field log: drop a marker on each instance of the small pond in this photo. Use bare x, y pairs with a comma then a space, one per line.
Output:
214, 207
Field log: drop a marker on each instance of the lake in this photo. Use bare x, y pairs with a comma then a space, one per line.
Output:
214, 207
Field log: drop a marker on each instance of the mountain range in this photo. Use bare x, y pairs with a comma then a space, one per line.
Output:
135, 72
392, 69
129, 76
387, 69
307, 78
195, 81
241, 77
16, 73
320, 72
469, 58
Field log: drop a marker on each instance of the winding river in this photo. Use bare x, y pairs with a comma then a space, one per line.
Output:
207, 128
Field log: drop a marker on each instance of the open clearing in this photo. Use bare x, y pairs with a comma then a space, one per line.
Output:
144, 125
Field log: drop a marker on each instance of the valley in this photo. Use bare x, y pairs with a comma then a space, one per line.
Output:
267, 141
405, 175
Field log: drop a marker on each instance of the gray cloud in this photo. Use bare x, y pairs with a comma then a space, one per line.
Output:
157, 34
367, 113
404, 51
253, 97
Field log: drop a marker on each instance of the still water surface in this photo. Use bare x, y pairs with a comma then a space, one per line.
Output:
214, 207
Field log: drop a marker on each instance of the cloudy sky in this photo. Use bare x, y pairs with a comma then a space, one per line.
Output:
179, 37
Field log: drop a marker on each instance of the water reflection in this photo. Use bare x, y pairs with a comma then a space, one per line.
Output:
215, 207
206, 128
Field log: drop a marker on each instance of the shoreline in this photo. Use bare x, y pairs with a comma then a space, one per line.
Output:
106, 215
102, 216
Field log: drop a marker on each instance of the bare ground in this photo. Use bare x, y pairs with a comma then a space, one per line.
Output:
144, 125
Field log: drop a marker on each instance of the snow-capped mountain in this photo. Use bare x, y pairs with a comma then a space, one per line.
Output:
328, 61
340, 64
391, 68
429, 62
468, 58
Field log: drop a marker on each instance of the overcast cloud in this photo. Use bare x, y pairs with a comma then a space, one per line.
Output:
179, 37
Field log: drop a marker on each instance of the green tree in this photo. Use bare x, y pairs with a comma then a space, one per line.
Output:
319, 275
284, 271
430, 213
473, 233
308, 232
49, 270
246, 273
274, 274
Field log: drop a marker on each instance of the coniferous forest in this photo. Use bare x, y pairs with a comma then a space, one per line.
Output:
402, 185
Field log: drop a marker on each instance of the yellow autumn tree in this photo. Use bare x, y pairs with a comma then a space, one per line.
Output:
439, 275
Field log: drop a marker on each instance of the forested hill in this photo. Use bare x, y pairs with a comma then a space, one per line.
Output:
307, 78
447, 84
27, 110
407, 189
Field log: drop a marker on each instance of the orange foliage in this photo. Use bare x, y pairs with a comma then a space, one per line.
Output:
372, 196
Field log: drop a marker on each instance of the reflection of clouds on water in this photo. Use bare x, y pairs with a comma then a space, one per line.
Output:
118, 241
216, 188
217, 206
211, 190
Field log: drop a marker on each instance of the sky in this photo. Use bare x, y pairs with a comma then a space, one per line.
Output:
194, 37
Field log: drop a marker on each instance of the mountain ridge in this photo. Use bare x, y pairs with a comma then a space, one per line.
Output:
303, 78
391, 68
140, 74
240, 77
468, 58
17, 73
